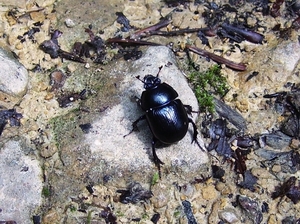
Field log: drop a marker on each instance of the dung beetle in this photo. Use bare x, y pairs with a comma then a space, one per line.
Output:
166, 116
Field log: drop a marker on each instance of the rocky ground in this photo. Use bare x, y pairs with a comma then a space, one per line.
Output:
63, 115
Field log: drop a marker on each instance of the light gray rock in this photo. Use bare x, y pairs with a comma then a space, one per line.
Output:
286, 55
13, 75
15, 3
229, 215
20, 184
133, 152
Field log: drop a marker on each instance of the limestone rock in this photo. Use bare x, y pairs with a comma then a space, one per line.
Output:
134, 151
13, 75
20, 184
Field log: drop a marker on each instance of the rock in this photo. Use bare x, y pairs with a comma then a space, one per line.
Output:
187, 190
252, 208
272, 219
277, 140
20, 184
230, 114
14, 3
69, 23
161, 196
209, 192
213, 215
51, 217
133, 152
286, 54
229, 215
13, 75
48, 151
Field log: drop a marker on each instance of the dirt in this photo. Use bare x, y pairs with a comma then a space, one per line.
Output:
79, 195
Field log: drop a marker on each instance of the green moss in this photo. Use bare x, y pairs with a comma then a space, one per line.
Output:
119, 214
72, 208
155, 179
145, 216
64, 127
208, 84
46, 192
176, 214
89, 217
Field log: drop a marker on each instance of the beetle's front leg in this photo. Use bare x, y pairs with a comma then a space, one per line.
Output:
134, 124
195, 134
189, 109
156, 160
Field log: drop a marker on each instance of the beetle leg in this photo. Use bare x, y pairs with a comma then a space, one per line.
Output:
157, 161
160, 67
134, 125
189, 109
195, 134
138, 101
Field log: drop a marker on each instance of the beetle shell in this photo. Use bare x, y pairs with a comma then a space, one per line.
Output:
168, 123
157, 96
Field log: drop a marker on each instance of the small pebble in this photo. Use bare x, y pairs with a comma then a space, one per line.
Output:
295, 143
71, 67
209, 192
187, 190
57, 79
228, 216
69, 23
48, 151
276, 168
161, 197
272, 219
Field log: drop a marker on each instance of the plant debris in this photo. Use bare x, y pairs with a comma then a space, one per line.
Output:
86, 127
52, 48
218, 172
251, 207
249, 181
288, 161
189, 212
67, 99
109, 217
289, 189
134, 194
240, 161
234, 32
123, 21
289, 101
230, 114
155, 218
9, 116
218, 132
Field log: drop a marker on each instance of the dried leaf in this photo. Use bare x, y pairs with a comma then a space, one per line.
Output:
249, 181
134, 194
288, 189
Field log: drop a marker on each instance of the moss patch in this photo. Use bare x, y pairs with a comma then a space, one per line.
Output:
206, 85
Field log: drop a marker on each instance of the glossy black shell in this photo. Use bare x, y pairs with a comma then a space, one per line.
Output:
169, 123
166, 115
157, 96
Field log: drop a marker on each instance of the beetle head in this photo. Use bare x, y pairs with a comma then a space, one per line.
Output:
151, 81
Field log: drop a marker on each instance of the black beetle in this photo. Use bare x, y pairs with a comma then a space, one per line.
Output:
166, 116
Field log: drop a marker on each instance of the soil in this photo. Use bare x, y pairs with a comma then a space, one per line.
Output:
242, 191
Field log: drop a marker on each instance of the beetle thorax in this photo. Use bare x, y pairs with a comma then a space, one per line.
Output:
151, 81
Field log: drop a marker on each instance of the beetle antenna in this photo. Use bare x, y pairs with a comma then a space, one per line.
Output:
138, 77
160, 67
